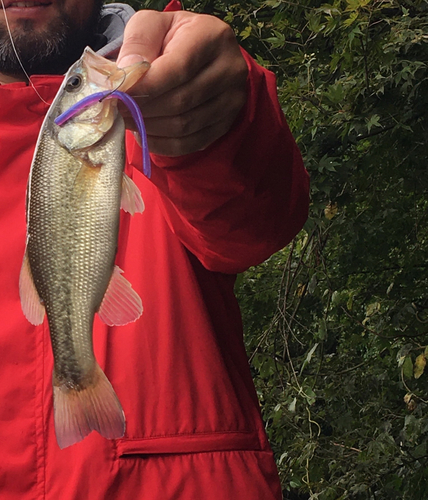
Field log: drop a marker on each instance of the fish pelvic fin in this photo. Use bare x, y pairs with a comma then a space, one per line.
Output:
78, 412
131, 200
121, 303
31, 303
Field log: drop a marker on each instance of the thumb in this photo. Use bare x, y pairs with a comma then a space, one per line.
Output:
144, 36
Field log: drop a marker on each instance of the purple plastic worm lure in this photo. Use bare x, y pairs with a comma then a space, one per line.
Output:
133, 108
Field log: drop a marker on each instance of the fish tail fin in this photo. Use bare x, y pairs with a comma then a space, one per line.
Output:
93, 408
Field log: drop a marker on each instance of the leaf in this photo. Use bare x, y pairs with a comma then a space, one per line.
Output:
277, 41
239, 280
309, 357
228, 18
350, 19
355, 4
335, 93
328, 164
373, 121
310, 395
282, 457
245, 33
408, 367
420, 364
311, 352
372, 309
336, 297
314, 22
420, 450
402, 354
350, 302
322, 331
312, 284
330, 210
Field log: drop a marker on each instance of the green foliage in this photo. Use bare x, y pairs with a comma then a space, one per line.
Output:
336, 324
340, 364
147, 4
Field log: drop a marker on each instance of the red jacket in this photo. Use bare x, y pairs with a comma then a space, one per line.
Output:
194, 429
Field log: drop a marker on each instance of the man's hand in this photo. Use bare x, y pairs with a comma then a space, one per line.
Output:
195, 87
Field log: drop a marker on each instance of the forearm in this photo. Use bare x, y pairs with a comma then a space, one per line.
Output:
245, 196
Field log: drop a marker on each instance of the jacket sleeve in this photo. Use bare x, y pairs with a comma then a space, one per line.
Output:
244, 197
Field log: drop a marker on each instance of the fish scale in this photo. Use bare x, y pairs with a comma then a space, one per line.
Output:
83, 246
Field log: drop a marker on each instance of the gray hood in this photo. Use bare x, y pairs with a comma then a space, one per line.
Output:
114, 17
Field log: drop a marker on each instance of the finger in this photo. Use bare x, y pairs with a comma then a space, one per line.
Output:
179, 62
143, 37
212, 81
225, 106
173, 146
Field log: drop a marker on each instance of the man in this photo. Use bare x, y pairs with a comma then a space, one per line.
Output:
228, 189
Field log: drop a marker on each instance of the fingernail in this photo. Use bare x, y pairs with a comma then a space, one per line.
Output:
129, 60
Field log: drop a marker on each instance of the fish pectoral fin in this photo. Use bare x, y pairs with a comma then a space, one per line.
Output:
131, 200
78, 412
121, 303
31, 304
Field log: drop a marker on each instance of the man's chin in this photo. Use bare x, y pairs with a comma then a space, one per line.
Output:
50, 49
36, 50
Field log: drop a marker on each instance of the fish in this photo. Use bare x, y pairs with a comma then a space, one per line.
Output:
76, 188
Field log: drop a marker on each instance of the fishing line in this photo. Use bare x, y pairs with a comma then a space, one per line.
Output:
17, 56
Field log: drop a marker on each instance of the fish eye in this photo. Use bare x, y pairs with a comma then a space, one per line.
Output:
73, 83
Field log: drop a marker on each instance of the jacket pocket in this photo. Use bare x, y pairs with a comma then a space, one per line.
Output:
189, 443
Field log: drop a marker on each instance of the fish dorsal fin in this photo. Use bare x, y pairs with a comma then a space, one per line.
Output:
121, 303
31, 304
131, 200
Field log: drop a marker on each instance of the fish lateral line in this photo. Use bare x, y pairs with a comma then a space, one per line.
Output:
130, 103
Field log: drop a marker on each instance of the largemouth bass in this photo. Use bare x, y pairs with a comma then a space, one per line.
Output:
75, 191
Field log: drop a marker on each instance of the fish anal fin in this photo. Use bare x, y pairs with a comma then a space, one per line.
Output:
121, 303
31, 304
131, 200
93, 408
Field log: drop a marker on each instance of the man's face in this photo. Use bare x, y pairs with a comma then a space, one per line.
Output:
49, 35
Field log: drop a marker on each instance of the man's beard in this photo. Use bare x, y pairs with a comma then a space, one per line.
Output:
50, 51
